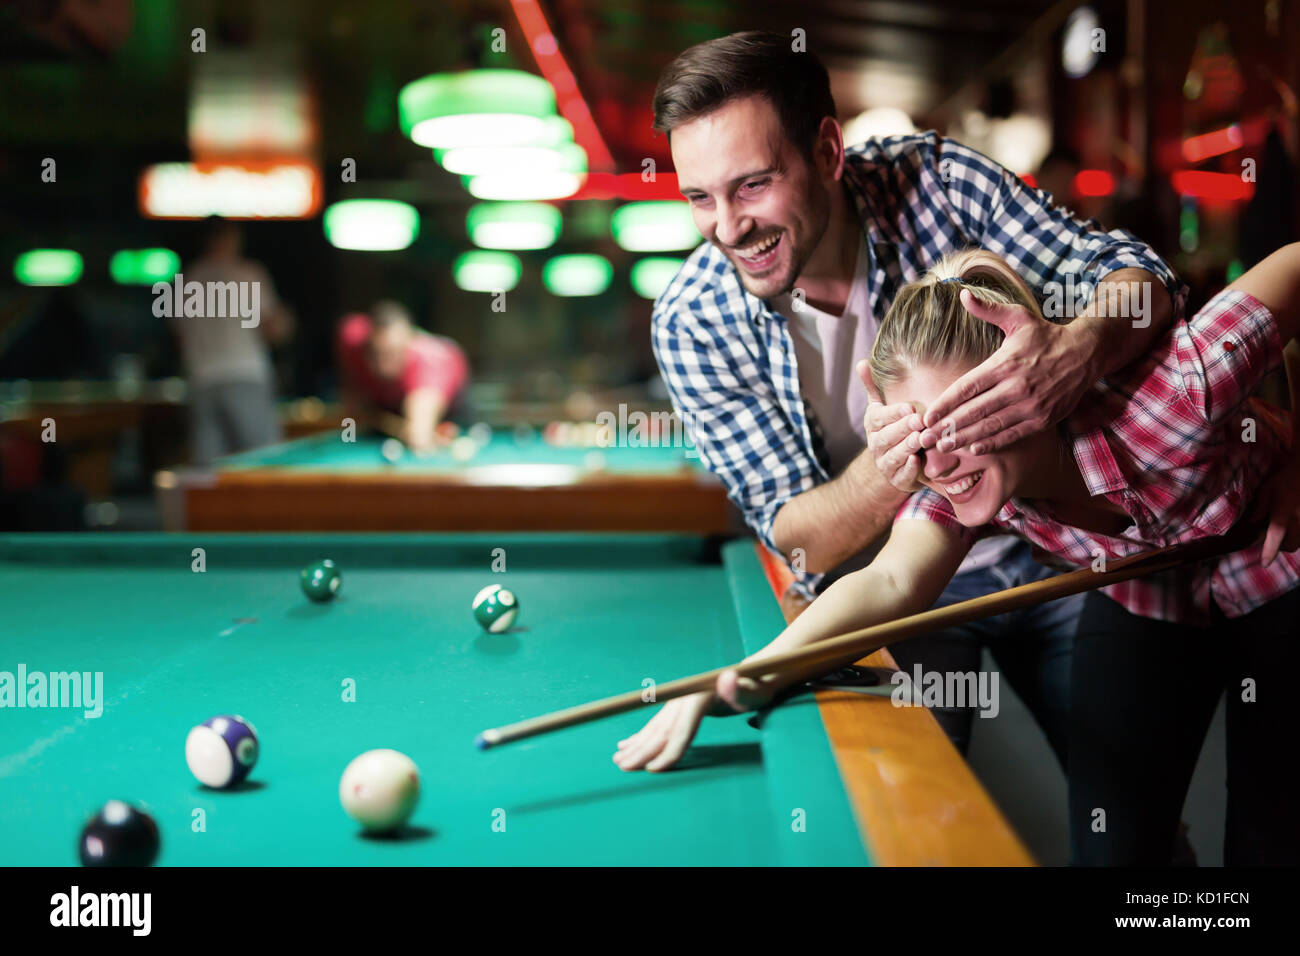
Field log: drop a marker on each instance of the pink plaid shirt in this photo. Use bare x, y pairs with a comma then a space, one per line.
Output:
1166, 439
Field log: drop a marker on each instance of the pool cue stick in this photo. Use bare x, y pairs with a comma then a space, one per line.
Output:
838, 651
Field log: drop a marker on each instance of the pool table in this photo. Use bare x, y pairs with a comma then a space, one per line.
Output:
398, 661
322, 483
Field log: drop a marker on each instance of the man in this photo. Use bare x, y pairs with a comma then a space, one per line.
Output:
759, 334
391, 367
227, 357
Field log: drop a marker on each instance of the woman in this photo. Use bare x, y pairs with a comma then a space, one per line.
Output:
1169, 450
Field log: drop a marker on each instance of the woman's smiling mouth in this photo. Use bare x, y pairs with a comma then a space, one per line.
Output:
964, 487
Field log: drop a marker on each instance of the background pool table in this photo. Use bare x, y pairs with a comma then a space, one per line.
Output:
321, 483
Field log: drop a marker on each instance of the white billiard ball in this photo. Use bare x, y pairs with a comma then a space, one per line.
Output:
464, 448
222, 751
380, 789
392, 450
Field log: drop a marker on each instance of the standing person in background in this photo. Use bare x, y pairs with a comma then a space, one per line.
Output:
227, 362
389, 365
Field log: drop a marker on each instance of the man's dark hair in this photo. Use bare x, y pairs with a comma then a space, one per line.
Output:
710, 74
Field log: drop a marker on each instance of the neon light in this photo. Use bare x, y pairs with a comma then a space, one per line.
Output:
654, 227
1216, 143
143, 266
1199, 184
376, 225
48, 267
486, 271
1092, 182
513, 225
577, 275
649, 277
629, 186
555, 68
476, 108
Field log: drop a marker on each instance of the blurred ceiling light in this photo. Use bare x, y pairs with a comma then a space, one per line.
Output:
476, 108
895, 84
288, 189
654, 227
480, 271
651, 276
513, 160
577, 275
513, 225
876, 124
48, 267
143, 266
512, 186
377, 225
246, 103
1020, 142
555, 132
1078, 55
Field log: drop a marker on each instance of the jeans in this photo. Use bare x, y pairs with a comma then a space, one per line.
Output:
1031, 647
1144, 693
227, 417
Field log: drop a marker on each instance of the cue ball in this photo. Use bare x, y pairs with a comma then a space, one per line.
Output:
391, 449
495, 608
464, 448
222, 751
380, 789
119, 835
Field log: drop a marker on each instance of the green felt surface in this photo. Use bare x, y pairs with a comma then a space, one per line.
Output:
600, 614
328, 452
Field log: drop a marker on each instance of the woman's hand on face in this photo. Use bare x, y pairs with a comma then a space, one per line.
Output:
893, 437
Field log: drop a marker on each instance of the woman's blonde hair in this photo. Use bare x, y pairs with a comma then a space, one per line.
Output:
927, 325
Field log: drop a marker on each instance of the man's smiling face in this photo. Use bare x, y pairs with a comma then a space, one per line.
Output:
752, 192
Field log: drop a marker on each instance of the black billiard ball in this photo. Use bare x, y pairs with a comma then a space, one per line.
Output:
321, 580
119, 835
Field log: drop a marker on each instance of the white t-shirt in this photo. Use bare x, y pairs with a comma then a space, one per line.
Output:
827, 349
220, 349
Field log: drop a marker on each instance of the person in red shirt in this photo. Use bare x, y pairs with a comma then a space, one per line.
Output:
391, 366
1169, 449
